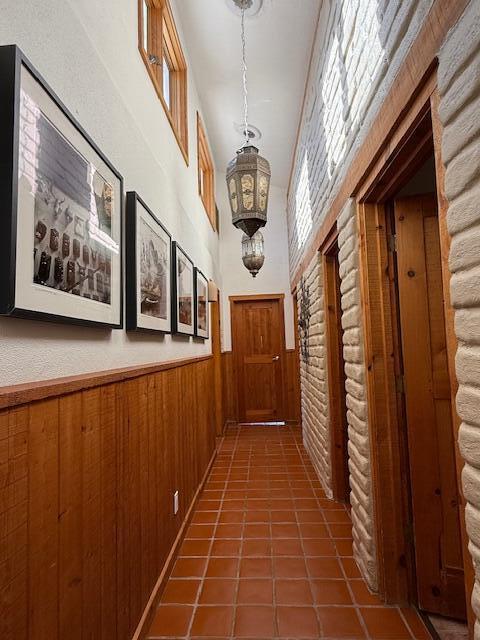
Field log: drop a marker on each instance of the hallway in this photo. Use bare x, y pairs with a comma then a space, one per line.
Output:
268, 556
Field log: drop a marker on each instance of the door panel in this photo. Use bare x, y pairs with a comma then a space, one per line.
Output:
435, 500
258, 349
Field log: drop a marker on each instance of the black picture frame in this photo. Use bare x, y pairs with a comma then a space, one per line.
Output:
203, 334
23, 294
178, 327
136, 210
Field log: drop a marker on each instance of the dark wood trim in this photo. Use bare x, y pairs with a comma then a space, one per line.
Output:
335, 373
330, 240
149, 612
385, 448
417, 65
259, 296
217, 366
32, 391
452, 344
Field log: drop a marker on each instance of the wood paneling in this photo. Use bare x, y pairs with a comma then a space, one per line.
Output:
217, 366
229, 391
438, 547
29, 392
385, 447
86, 497
292, 387
292, 383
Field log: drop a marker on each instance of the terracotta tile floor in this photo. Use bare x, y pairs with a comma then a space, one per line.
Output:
268, 556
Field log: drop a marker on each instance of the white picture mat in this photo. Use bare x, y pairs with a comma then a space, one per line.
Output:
144, 321
182, 327
34, 297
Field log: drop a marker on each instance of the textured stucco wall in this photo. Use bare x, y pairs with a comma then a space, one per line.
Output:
359, 48
361, 497
313, 376
88, 52
314, 390
459, 88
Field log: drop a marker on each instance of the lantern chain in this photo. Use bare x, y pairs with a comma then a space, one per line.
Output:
245, 90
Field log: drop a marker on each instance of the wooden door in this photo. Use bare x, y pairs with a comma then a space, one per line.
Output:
336, 376
258, 351
435, 498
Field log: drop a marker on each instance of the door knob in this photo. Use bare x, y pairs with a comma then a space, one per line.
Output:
276, 358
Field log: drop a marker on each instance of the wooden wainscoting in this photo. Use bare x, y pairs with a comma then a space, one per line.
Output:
87, 476
230, 411
292, 384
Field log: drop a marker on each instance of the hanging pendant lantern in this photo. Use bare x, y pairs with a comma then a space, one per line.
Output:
252, 252
248, 174
248, 180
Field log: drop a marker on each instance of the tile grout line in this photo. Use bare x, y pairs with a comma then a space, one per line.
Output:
291, 471
234, 616
342, 568
208, 557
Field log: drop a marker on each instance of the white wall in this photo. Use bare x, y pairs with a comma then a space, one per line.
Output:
273, 276
87, 51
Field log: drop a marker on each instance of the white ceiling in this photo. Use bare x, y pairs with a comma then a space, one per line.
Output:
279, 41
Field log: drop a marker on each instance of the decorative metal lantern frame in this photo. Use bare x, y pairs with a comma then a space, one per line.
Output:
248, 182
252, 252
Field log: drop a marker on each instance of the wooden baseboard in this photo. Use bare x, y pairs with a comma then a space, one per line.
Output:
149, 611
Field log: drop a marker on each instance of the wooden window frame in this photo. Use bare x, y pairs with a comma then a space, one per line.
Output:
164, 42
205, 166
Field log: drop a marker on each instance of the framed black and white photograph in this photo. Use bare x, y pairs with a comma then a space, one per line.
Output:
148, 269
60, 246
183, 321
202, 320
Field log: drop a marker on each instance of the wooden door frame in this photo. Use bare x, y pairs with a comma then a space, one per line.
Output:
337, 415
280, 297
402, 154
296, 349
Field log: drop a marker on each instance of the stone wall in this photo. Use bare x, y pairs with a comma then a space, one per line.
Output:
359, 48
313, 376
314, 385
355, 385
459, 88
